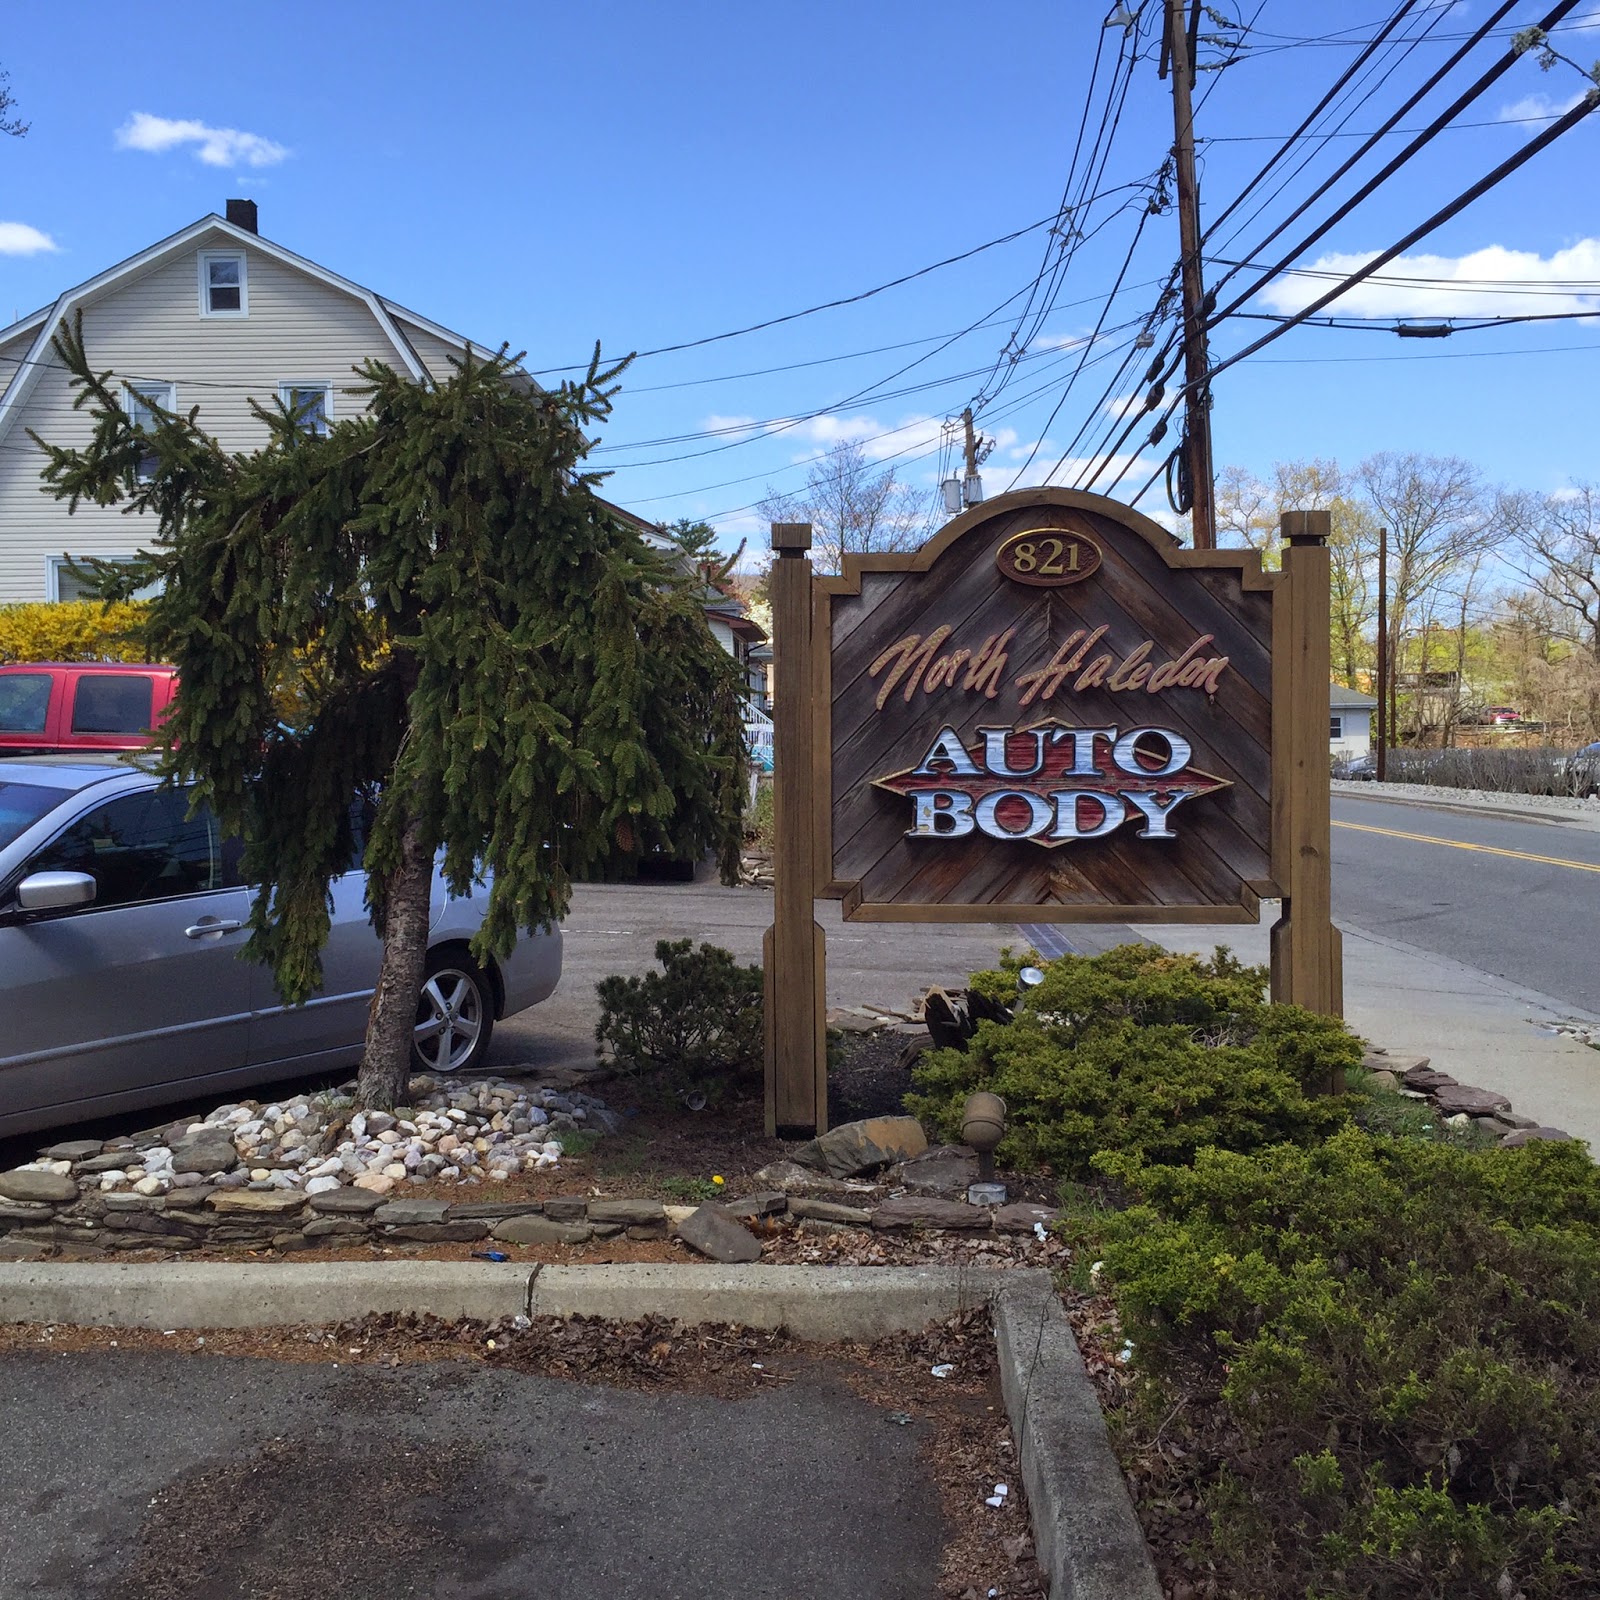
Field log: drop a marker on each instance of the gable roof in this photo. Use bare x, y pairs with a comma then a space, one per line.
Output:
1340, 697
48, 318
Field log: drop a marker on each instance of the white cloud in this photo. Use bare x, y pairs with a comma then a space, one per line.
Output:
732, 427
21, 239
216, 147
1538, 105
1123, 405
1484, 283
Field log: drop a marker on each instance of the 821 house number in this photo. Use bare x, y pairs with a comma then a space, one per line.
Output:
1047, 558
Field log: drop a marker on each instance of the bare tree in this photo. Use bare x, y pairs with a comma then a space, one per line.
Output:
1438, 518
1555, 544
854, 507
1248, 511
15, 126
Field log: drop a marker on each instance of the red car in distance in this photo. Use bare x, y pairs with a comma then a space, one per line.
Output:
50, 707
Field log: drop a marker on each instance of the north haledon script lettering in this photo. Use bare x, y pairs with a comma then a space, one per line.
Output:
923, 662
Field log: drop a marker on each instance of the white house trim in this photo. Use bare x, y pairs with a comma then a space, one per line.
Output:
203, 261
72, 299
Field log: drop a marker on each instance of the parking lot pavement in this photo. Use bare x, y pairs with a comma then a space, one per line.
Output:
614, 928
186, 1477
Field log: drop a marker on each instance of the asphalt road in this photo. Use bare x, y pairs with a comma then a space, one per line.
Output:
1517, 899
147, 1476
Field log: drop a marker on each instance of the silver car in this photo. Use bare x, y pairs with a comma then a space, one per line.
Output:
121, 922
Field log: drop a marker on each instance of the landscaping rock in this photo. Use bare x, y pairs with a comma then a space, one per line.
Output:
334, 1228
947, 1170
1522, 1136
793, 1179
1426, 1079
1384, 1079
856, 1147
541, 1230
74, 1150
566, 1208
915, 1211
712, 1232
1397, 1062
346, 1202
133, 1202
210, 1150
1510, 1119
1020, 1217
629, 1213
372, 1182
410, 1213
439, 1232
828, 1211
25, 1211
1457, 1099
30, 1184
494, 1210
186, 1199
264, 1202
111, 1161
22, 1249
764, 1203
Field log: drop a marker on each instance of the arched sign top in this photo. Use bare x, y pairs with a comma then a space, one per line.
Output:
989, 706
1094, 514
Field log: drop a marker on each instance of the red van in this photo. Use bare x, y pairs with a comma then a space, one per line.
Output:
51, 706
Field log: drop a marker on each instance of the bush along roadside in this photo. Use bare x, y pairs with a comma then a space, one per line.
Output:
1374, 1363
1355, 1338
1142, 1051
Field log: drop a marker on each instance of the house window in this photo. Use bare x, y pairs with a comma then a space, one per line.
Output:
311, 403
137, 400
1336, 727
224, 290
63, 581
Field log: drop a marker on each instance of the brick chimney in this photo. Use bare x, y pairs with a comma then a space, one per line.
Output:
242, 214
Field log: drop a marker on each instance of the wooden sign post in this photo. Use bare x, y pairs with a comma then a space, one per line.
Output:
1051, 712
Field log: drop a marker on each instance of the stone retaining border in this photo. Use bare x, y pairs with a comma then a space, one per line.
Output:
1087, 1533
36, 1218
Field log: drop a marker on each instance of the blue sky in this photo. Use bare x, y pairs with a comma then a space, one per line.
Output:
650, 175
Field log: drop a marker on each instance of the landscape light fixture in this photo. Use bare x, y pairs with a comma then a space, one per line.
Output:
983, 1126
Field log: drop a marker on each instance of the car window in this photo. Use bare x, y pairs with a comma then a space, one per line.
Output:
21, 805
114, 702
140, 847
24, 701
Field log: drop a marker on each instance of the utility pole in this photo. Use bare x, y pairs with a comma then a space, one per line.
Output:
1196, 362
1383, 654
971, 483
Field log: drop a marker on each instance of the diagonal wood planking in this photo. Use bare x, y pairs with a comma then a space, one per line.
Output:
1147, 588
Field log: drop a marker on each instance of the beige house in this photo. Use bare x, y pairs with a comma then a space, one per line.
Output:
211, 317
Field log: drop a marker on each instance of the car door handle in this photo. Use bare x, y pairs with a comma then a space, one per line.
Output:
201, 929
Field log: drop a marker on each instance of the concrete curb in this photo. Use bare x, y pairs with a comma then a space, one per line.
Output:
1091, 1546
817, 1303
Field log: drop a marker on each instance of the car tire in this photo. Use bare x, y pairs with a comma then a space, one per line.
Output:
455, 1014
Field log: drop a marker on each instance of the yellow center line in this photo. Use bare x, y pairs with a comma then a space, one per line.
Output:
1485, 849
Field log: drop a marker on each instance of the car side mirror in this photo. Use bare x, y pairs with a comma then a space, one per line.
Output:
54, 891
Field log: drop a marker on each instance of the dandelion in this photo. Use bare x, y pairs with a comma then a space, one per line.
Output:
718, 1179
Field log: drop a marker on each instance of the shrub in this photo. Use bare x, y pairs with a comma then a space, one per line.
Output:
75, 630
695, 1026
1400, 1345
1142, 1051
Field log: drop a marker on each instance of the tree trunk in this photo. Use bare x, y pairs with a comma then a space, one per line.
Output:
392, 1017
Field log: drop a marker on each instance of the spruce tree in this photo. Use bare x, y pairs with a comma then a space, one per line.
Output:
430, 607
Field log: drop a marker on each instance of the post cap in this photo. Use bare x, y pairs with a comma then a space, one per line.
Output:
1306, 527
791, 535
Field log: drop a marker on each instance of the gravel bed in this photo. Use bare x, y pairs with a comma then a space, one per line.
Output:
1568, 807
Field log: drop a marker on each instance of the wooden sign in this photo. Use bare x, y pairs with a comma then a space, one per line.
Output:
1051, 712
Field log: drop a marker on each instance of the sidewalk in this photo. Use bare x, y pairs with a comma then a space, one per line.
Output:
1482, 1030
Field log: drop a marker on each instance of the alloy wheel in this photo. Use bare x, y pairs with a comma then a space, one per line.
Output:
450, 1016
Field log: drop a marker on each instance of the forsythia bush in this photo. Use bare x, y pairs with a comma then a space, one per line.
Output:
1390, 1355
75, 630
1142, 1051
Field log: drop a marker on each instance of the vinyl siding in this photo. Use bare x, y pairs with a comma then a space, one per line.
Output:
12, 355
433, 352
150, 328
